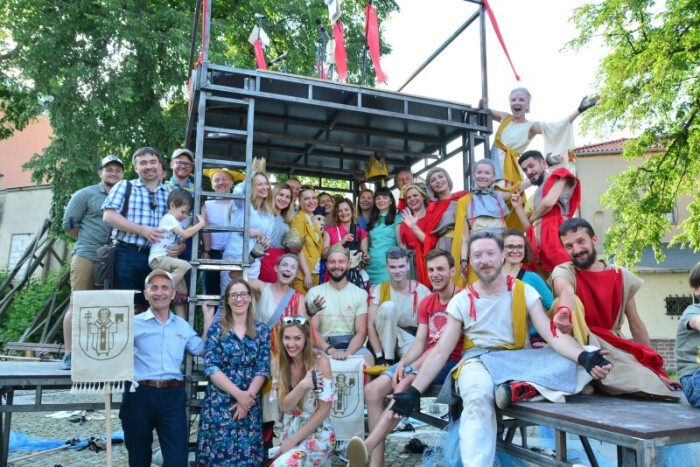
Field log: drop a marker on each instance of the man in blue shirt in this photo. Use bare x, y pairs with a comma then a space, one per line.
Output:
82, 220
146, 206
160, 340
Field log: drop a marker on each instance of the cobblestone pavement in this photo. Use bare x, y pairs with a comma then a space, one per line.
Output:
36, 424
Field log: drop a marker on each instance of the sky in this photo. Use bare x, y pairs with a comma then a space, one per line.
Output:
534, 31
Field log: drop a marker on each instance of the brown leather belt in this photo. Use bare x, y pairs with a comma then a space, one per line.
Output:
168, 383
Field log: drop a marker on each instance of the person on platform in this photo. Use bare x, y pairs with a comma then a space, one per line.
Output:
411, 232
350, 235
382, 234
365, 203
159, 399
284, 213
392, 319
217, 212
593, 299
261, 222
82, 220
303, 387
482, 209
514, 135
326, 201
237, 363
431, 320
491, 314
557, 198
342, 323
136, 229
296, 185
442, 210
403, 178
179, 207
688, 343
310, 254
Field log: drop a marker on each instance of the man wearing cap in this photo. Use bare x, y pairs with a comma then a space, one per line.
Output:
82, 220
158, 400
342, 322
137, 228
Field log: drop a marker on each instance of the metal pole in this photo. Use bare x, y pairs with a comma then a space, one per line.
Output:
482, 36
205, 32
194, 35
454, 36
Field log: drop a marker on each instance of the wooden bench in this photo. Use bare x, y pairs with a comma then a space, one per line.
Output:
30, 348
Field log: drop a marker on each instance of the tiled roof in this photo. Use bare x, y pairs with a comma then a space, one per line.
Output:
677, 260
612, 146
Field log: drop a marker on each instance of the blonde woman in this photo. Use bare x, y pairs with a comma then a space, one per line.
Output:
282, 196
302, 385
261, 223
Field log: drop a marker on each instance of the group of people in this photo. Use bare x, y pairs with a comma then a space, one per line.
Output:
498, 293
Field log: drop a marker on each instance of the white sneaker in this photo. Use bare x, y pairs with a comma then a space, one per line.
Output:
357, 452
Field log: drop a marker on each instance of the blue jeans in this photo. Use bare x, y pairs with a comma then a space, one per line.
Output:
439, 379
691, 388
130, 271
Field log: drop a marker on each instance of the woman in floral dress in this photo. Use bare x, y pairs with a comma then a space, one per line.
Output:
237, 362
307, 436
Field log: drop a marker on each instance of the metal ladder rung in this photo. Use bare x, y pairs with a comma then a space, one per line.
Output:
223, 163
217, 195
227, 131
222, 228
226, 100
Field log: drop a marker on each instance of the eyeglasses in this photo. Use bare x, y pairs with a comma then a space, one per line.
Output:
152, 200
236, 296
511, 248
288, 320
184, 164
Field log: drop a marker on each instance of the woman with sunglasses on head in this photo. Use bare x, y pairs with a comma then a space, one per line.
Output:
303, 388
284, 213
261, 224
382, 234
237, 362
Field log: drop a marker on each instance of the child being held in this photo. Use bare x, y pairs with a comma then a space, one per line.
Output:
688, 344
180, 203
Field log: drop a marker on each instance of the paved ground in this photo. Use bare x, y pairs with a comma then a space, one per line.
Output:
36, 424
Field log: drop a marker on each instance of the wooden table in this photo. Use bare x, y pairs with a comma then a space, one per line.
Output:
33, 376
635, 426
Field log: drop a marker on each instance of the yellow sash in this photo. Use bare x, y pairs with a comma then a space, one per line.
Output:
520, 331
460, 215
384, 292
511, 170
313, 244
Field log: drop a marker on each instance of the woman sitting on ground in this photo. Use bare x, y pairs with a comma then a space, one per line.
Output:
303, 387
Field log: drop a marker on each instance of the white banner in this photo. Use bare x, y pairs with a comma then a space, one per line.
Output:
348, 407
103, 340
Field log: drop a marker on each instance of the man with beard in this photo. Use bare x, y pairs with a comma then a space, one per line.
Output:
82, 220
557, 197
144, 202
597, 296
393, 309
342, 322
431, 321
492, 314
158, 400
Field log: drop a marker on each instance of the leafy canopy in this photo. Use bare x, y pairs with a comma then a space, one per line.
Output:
649, 84
118, 70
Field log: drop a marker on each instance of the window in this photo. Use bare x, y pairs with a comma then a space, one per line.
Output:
676, 305
672, 215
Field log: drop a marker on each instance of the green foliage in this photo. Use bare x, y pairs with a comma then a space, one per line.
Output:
649, 84
118, 70
28, 302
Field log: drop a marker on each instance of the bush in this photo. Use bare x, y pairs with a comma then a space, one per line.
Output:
28, 302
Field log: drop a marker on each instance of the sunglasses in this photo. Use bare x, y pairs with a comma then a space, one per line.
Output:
152, 200
289, 320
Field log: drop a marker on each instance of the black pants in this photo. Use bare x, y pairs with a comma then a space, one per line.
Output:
162, 409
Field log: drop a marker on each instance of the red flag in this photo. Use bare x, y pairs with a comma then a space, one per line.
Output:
259, 55
492, 17
340, 58
372, 35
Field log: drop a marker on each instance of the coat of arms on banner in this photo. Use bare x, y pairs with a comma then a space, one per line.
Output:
347, 409
103, 344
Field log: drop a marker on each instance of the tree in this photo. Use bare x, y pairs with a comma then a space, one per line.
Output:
117, 71
648, 83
